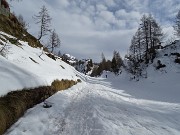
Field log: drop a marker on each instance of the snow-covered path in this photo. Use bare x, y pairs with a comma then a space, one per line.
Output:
94, 108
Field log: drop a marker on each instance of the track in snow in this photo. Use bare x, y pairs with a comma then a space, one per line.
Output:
94, 109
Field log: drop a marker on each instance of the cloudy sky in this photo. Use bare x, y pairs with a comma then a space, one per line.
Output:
89, 27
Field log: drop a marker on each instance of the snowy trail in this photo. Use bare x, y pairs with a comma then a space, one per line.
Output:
95, 109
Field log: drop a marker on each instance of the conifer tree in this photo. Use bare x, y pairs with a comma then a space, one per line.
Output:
114, 65
117, 62
103, 62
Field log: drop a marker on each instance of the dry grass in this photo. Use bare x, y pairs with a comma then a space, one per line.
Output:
63, 84
14, 104
8, 26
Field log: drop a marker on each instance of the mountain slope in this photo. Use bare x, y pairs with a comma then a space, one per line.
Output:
23, 68
161, 84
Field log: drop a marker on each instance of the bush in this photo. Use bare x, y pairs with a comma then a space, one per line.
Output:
78, 80
12, 40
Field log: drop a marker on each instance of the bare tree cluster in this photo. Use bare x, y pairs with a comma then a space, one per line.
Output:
44, 20
144, 43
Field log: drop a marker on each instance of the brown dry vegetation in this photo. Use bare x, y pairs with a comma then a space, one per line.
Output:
11, 27
63, 84
14, 104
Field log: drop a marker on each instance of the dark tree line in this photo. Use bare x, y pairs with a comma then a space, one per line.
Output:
114, 65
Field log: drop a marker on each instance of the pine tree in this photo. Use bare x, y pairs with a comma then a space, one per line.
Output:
103, 62
117, 62
114, 65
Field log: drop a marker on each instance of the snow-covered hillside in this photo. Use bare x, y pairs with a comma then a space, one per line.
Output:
161, 84
69, 58
97, 106
84, 66
23, 68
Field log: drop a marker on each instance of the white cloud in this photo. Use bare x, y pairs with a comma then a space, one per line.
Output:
107, 16
63, 3
101, 7
132, 15
89, 27
110, 3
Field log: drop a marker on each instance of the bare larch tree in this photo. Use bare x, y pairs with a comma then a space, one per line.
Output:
54, 41
43, 18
